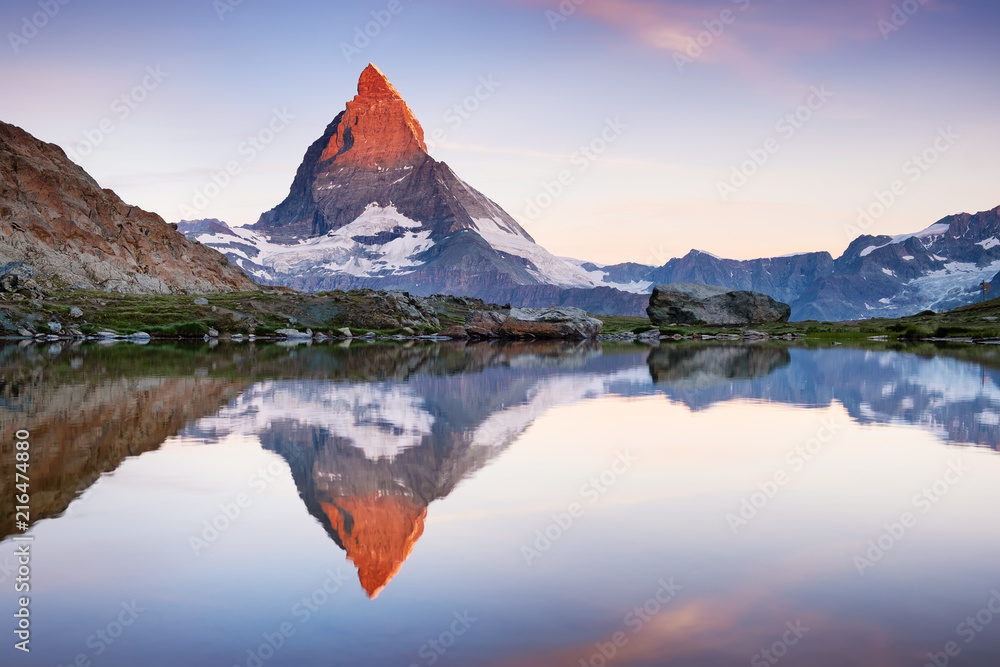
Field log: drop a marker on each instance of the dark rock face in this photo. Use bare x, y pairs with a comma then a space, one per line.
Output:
685, 303
558, 322
57, 221
15, 276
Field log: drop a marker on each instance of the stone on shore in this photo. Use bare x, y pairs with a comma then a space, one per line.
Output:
555, 322
687, 303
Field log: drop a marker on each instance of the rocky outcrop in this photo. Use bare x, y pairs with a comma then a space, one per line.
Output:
686, 303
57, 221
556, 322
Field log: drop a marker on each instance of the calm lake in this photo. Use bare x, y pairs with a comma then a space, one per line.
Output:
504, 505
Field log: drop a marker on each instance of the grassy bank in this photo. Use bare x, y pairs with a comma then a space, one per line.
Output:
264, 312
260, 313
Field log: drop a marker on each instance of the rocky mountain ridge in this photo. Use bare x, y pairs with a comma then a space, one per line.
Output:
59, 229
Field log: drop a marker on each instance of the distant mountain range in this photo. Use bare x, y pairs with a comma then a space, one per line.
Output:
369, 208
939, 268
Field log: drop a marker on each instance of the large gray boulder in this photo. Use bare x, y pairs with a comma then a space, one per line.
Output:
15, 276
555, 322
687, 303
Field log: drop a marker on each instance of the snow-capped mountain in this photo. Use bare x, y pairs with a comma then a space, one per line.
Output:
369, 207
937, 269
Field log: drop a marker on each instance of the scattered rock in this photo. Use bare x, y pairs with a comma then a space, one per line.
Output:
409, 331
346, 332
293, 333
75, 313
212, 333
652, 334
139, 337
627, 336
14, 276
457, 331
25, 333
485, 324
201, 301
686, 303
54, 327
556, 322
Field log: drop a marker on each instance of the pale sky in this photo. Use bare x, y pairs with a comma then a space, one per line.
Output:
668, 108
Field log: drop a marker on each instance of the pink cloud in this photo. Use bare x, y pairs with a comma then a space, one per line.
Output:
751, 33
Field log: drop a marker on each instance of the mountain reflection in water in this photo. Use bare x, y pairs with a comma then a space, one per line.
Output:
373, 434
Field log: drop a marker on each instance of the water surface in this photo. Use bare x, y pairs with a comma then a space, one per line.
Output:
530, 504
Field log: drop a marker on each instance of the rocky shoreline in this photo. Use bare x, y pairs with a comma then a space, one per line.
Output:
29, 312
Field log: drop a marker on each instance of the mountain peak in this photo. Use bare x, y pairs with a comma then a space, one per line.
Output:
378, 533
378, 129
373, 83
